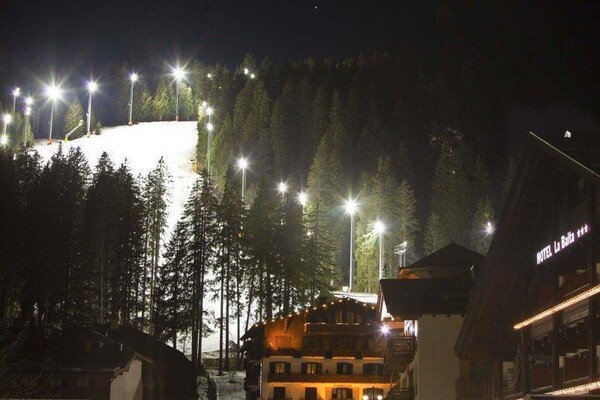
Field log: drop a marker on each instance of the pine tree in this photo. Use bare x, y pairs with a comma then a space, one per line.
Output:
145, 104
74, 120
434, 234
155, 198
164, 101
200, 216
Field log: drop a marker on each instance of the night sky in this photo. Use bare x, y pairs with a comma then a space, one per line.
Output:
555, 45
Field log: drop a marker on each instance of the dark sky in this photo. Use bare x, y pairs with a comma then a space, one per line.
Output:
551, 40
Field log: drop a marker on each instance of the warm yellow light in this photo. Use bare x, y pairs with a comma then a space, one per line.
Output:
558, 307
577, 389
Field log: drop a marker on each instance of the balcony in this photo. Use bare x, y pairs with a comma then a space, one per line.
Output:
330, 378
470, 389
400, 393
399, 353
571, 283
575, 368
541, 376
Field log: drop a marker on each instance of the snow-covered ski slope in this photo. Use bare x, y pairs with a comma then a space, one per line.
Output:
142, 145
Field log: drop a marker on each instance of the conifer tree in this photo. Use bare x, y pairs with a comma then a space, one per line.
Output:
74, 119
164, 100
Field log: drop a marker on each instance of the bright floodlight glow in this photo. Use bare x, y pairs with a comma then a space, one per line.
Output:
351, 206
29, 101
379, 397
17, 92
178, 73
379, 227
303, 198
4, 140
252, 76
27, 110
209, 110
7, 118
204, 104
384, 329
365, 397
282, 187
246, 71
209, 76
53, 92
209, 127
489, 228
92, 86
242, 163
133, 77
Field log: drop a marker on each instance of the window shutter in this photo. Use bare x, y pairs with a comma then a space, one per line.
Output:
288, 368
272, 368
303, 368
319, 369
350, 371
340, 367
350, 391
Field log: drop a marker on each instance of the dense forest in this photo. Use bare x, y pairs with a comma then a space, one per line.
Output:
89, 243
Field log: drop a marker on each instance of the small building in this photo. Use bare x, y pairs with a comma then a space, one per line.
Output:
333, 350
534, 318
430, 300
47, 362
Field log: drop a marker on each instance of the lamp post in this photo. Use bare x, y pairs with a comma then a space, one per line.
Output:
303, 200
380, 229
6, 118
178, 73
16, 93
401, 251
53, 93
351, 207
243, 165
209, 128
26, 124
92, 86
133, 78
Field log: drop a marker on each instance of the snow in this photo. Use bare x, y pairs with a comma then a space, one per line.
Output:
230, 389
142, 145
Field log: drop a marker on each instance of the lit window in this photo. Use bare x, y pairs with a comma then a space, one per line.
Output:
311, 368
279, 368
341, 393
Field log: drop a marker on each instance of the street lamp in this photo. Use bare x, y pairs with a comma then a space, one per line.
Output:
282, 188
16, 93
401, 251
351, 207
209, 128
243, 165
92, 86
53, 92
26, 124
133, 78
6, 118
303, 200
489, 228
178, 73
380, 229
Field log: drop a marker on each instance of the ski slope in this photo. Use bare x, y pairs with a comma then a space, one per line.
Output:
142, 145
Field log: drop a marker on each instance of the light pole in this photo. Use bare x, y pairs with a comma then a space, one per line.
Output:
26, 124
243, 165
178, 73
380, 229
6, 118
303, 200
92, 86
53, 93
16, 93
401, 251
351, 207
209, 128
133, 77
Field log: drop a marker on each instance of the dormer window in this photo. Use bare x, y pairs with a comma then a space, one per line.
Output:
347, 317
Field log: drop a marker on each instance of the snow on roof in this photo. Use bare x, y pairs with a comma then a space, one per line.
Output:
370, 298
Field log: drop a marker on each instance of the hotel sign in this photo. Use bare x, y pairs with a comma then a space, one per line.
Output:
565, 241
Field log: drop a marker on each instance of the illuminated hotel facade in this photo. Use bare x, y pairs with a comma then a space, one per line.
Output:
533, 320
333, 350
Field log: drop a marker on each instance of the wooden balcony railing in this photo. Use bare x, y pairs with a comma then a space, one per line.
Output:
470, 389
399, 353
572, 282
541, 376
400, 393
575, 367
329, 378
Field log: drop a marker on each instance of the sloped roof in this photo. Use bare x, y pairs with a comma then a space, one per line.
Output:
452, 256
406, 298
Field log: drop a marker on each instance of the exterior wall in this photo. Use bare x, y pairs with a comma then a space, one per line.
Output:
295, 390
128, 385
436, 367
